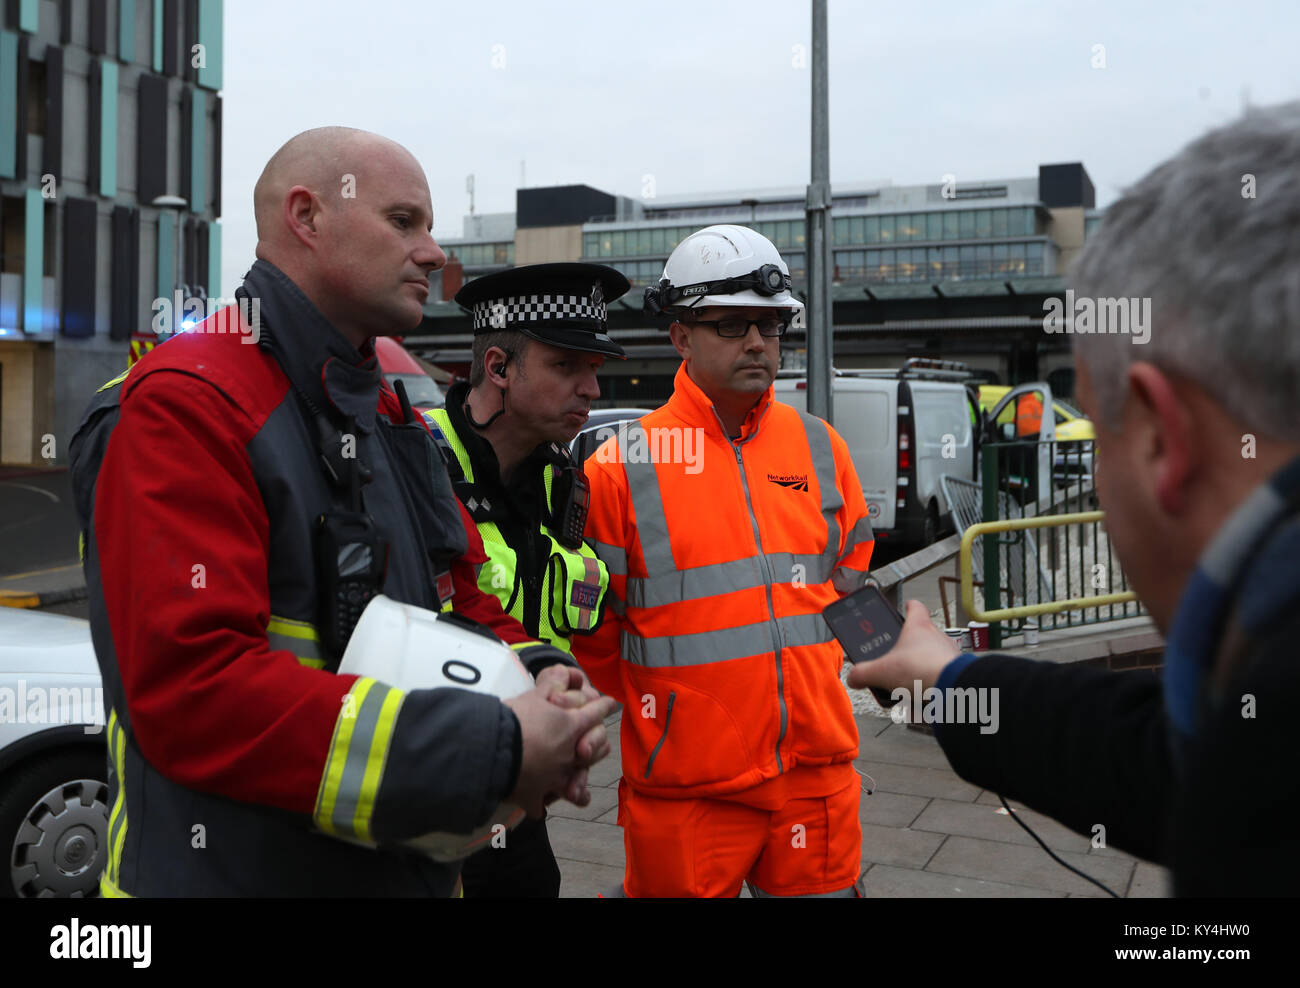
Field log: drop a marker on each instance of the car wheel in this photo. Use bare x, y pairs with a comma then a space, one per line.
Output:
54, 826
930, 533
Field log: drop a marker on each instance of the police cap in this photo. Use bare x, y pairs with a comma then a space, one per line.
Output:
561, 304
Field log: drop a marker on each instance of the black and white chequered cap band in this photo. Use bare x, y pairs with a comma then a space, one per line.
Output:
502, 313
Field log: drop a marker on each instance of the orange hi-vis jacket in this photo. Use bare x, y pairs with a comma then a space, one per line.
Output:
722, 556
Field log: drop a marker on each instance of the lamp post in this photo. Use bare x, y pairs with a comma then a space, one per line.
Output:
178, 205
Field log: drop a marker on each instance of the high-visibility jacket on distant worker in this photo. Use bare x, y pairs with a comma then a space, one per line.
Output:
722, 556
555, 592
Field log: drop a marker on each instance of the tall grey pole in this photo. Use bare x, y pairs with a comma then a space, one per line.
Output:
818, 243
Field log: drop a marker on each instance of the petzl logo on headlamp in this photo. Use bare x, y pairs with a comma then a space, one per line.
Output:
695, 290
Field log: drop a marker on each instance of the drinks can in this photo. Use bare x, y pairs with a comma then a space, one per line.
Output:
979, 633
961, 636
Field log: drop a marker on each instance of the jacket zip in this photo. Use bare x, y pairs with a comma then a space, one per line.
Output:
768, 579
668, 719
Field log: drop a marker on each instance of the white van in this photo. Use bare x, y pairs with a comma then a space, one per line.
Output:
905, 429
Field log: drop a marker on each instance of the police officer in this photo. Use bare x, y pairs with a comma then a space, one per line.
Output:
539, 340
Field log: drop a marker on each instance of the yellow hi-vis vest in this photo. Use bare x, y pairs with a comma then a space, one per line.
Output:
574, 582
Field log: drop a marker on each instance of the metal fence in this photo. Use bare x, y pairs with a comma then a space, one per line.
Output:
1033, 567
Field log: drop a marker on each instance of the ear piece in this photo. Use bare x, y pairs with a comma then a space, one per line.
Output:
499, 369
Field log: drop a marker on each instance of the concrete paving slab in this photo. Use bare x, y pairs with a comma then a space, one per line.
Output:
890, 809
946, 816
1151, 881
898, 846
585, 841
889, 882
602, 799
1027, 866
899, 746
914, 780
583, 880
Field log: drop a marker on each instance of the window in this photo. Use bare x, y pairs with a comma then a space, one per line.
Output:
856, 225
967, 223
886, 229
840, 231
590, 244
999, 222
619, 241
658, 240
950, 231
36, 100
498, 253
967, 255
983, 223
983, 261
950, 263
607, 245
871, 230
798, 233
934, 226
1034, 258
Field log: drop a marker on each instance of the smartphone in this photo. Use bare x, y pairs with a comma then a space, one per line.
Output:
867, 626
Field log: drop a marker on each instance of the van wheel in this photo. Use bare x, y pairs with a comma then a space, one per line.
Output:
930, 533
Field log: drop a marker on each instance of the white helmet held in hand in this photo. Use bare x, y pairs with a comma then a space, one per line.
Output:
722, 265
411, 648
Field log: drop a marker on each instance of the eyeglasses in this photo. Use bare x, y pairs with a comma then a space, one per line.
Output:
733, 329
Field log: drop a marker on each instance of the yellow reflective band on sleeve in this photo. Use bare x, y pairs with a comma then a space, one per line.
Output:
115, 382
298, 637
354, 768
109, 890
117, 818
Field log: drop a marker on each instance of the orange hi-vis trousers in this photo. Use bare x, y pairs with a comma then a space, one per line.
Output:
707, 848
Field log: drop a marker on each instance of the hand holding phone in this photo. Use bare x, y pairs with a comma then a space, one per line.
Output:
867, 626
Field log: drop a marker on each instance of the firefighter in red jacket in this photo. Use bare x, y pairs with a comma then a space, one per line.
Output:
281, 486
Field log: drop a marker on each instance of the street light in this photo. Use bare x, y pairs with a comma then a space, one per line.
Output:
179, 205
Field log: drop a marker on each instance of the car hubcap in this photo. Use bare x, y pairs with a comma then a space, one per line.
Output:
60, 847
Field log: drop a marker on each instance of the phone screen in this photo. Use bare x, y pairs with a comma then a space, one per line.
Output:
865, 624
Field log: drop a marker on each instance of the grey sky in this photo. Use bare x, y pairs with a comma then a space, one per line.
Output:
707, 96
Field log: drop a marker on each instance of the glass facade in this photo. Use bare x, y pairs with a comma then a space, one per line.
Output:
640, 253
482, 255
1003, 260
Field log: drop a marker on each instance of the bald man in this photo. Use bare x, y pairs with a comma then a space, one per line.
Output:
239, 505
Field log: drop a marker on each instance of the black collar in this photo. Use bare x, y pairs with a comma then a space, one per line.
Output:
322, 364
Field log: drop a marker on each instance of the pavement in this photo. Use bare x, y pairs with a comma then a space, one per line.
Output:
925, 833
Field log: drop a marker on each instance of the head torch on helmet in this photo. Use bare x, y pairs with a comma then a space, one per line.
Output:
767, 280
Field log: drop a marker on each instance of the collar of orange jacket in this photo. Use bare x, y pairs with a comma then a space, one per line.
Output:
696, 406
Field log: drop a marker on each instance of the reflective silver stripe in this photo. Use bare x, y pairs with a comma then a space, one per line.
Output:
722, 645
613, 556
722, 578
823, 459
358, 758
307, 651
648, 503
846, 580
858, 535
616, 605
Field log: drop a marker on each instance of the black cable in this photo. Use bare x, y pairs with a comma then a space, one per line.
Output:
1012, 813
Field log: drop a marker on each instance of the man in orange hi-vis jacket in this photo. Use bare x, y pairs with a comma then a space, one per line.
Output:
728, 521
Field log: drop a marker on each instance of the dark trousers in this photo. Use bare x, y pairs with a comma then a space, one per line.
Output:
524, 869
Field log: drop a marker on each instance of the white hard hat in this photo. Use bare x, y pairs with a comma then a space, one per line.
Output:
725, 266
411, 648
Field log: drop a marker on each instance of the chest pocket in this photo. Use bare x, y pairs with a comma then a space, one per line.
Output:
422, 474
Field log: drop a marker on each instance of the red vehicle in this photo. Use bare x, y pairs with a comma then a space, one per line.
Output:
398, 365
